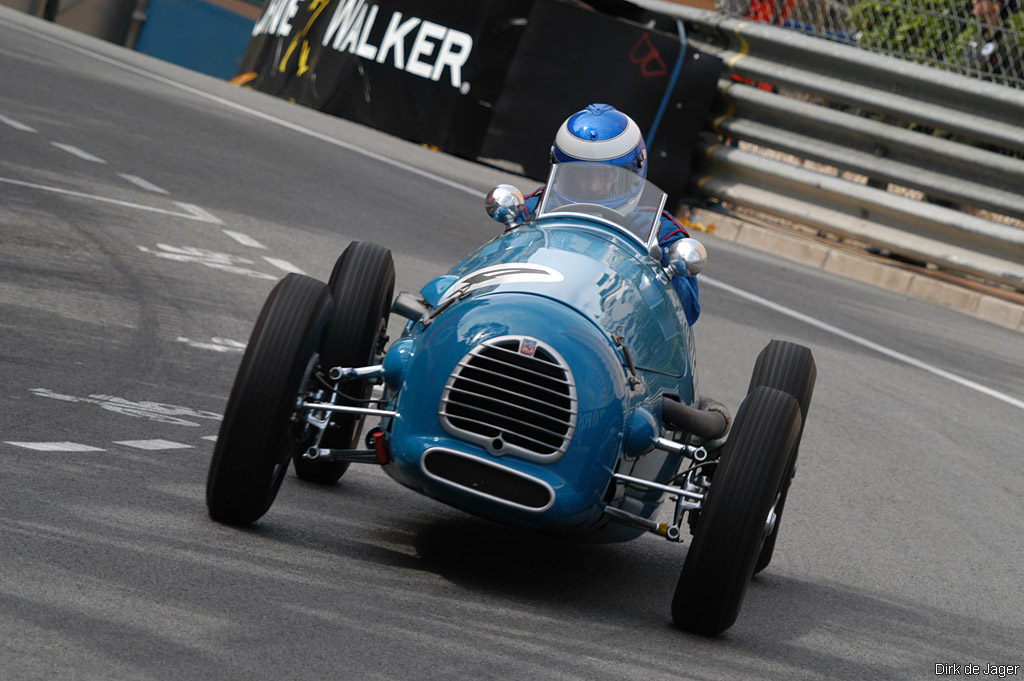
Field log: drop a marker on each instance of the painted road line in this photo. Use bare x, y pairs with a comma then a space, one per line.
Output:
864, 342
283, 265
211, 438
144, 184
56, 446
17, 125
218, 344
163, 413
244, 239
75, 151
199, 213
104, 199
381, 158
234, 264
153, 445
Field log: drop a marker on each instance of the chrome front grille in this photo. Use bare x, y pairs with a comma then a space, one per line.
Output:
512, 395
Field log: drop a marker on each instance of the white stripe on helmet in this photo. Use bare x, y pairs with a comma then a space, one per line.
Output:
598, 150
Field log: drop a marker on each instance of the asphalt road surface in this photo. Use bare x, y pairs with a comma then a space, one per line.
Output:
145, 213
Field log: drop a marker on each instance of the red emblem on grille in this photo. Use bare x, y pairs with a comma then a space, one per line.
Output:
527, 346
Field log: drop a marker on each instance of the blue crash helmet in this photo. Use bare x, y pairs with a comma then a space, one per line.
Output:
602, 135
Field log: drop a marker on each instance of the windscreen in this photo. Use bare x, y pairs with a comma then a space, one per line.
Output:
616, 195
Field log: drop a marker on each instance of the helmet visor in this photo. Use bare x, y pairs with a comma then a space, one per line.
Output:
600, 183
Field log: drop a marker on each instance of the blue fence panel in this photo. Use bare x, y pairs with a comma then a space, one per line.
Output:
196, 35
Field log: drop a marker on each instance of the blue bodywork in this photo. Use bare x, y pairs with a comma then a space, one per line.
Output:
591, 299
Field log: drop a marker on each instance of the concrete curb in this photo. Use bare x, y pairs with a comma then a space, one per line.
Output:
977, 300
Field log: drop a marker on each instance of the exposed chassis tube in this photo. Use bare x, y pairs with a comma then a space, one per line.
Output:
670, 531
350, 455
327, 406
321, 420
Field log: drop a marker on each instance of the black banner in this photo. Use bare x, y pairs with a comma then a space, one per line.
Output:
429, 72
570, 57
489, 79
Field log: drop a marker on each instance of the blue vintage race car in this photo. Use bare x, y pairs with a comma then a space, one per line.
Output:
548, 382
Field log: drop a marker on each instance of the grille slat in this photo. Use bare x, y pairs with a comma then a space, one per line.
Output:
498, 374
549, 412
526, 424
510, 437
531, 363
512, 402
521, 374
528, 363
487, 387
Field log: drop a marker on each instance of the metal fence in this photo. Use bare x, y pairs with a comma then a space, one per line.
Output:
979, 38
924, 163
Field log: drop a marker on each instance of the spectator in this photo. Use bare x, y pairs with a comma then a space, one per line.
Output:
991, 55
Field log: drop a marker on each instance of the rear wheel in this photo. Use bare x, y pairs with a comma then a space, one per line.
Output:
733, 521
362, 285
260, 430
790, 368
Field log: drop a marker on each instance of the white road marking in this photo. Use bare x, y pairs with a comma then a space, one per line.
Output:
17, 125
244, 239
218, 344
153, 445
155, 411
199, 213
864, 342
103, 199
283, 265
257, 114
212, 438
75, 151
219, 261
144, 184
56, 446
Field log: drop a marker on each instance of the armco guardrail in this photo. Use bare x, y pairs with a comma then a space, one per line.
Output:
875, 116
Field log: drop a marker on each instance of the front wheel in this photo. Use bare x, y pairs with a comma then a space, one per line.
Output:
790, 368
734, 519
361, 284
260, 430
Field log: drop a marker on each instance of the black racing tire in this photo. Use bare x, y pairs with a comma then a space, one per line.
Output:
362, 285
731, 528
788, 367
259, 433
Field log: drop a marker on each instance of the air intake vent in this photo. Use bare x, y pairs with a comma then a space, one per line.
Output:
486, 479
512, 395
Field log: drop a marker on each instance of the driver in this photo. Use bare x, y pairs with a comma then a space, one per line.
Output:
602, 134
